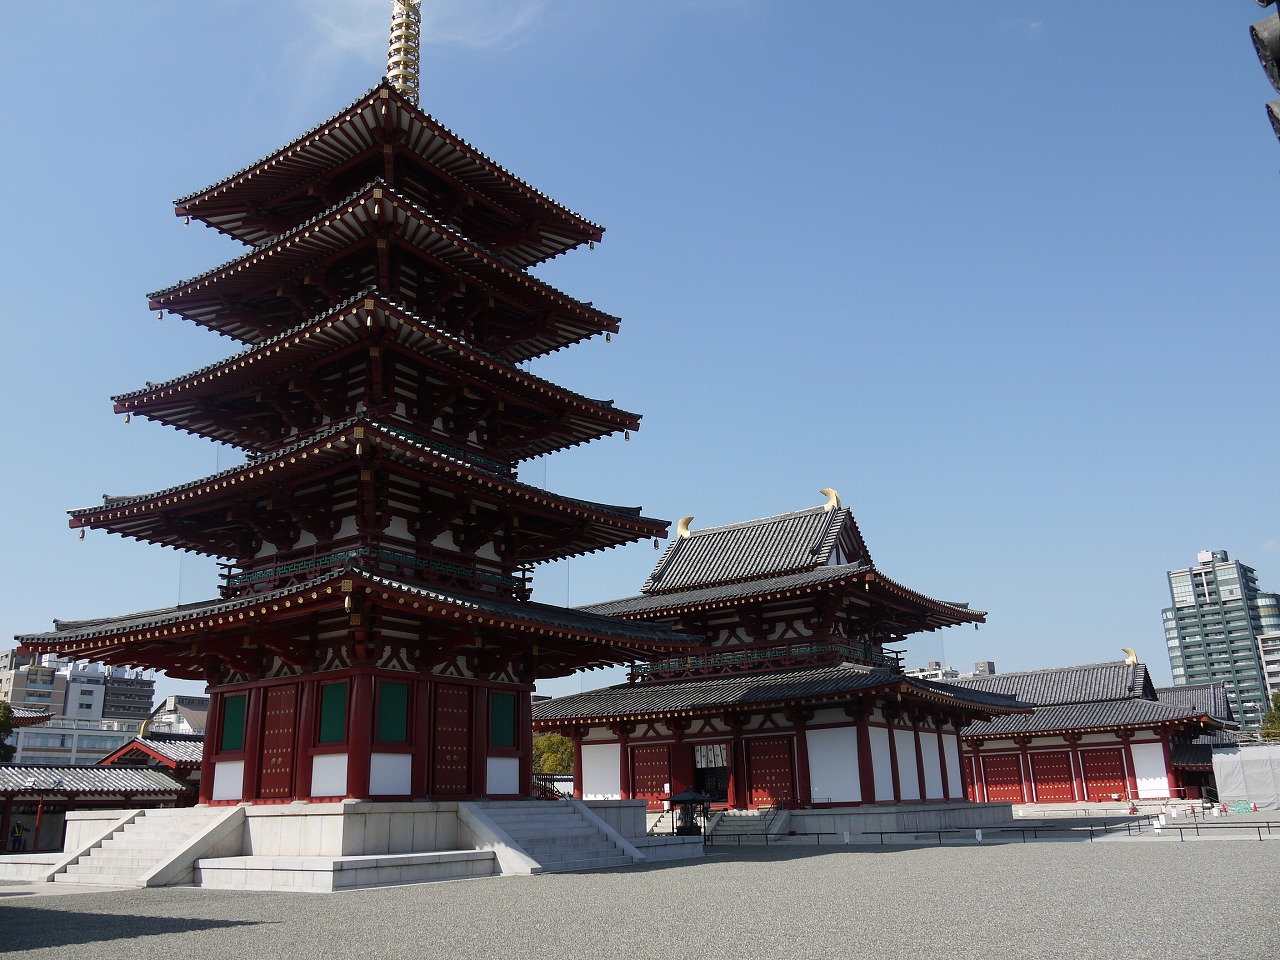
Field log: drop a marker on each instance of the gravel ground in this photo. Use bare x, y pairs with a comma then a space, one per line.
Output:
1040, 900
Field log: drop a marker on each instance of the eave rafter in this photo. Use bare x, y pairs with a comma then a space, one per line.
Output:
524, 316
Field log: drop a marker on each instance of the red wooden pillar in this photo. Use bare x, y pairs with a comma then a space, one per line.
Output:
303, 738
480, 742
212, 738
623, 733
420, 765
1077, 768
576, 736
35, 841
253, 721
979, 776
359, 735
804, 788
893, 758
738, 797
524, 739
1130, 774
866, 767
915, 734
942, 762
1028, 781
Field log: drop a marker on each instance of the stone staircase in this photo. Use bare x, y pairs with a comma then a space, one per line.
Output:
555, 834
742, 826
128, 855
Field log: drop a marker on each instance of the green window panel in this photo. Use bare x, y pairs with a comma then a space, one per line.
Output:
502, 720
233, 723
393, 712
333, 712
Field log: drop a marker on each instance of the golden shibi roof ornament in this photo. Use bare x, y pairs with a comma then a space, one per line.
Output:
402, 51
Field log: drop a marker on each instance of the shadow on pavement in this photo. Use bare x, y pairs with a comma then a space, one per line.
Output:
28, 928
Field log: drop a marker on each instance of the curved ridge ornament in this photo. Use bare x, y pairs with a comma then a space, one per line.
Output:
402, 50
833, 499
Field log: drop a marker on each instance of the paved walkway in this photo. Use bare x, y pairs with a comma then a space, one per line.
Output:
1049, 900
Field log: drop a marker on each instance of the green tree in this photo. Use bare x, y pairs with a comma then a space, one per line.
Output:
1271, 720
7, 750
552, 753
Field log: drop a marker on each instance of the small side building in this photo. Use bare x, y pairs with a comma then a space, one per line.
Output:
1099, 732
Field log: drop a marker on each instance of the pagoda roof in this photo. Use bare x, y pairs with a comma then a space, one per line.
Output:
873, 585
17, 779
759, 691
783, 544
147, 516
363, 126
175, 638
372, 213
183, 401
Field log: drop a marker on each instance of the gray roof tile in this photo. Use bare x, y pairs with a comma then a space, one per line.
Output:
767, 547
1210, 698
68, 779
1064, 717
753, 690
1083, 684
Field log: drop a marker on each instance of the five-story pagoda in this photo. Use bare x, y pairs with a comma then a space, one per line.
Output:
375, 635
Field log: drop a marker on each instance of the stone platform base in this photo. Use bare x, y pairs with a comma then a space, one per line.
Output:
902, 817
327, 874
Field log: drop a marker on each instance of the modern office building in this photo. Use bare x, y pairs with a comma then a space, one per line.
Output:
95, 708
1214, 627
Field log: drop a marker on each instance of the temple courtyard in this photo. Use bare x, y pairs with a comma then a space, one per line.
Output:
1130, 897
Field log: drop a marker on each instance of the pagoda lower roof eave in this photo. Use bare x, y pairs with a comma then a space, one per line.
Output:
154, 517
367, 316
179, 639
377, 212
362, 126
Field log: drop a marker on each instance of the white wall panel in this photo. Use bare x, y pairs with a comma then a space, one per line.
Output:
600, 771
955, 780
881, 764
833, 764
228, 780
932, 765
390, 774
502, 776
329, 775
1149, 768
908, 779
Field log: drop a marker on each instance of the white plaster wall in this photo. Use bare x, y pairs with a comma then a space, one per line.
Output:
399, 527
833, 764
932, 765
908, 778
390, 774
829, 716
502, 775
951, 751
881, 765
329, 775
600, 771
1149, 768
228, 780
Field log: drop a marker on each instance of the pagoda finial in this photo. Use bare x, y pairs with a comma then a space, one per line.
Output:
402, 52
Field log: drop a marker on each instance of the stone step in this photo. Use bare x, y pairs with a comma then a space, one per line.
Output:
540, 832
120, 867
539, 848
599, 863
97, 879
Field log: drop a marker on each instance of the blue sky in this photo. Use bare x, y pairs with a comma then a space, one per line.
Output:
995, 272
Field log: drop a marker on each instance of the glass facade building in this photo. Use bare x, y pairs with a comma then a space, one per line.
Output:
1214, 627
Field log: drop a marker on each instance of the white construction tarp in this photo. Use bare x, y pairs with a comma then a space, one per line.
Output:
1248, 772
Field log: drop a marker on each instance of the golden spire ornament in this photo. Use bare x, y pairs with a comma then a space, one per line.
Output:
402, 51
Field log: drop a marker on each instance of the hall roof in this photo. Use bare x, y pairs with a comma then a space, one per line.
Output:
68, 780
170, 749
27, 717
1092, 697
1093, 682
805, 551
757, 691
772, 546
1209, 697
